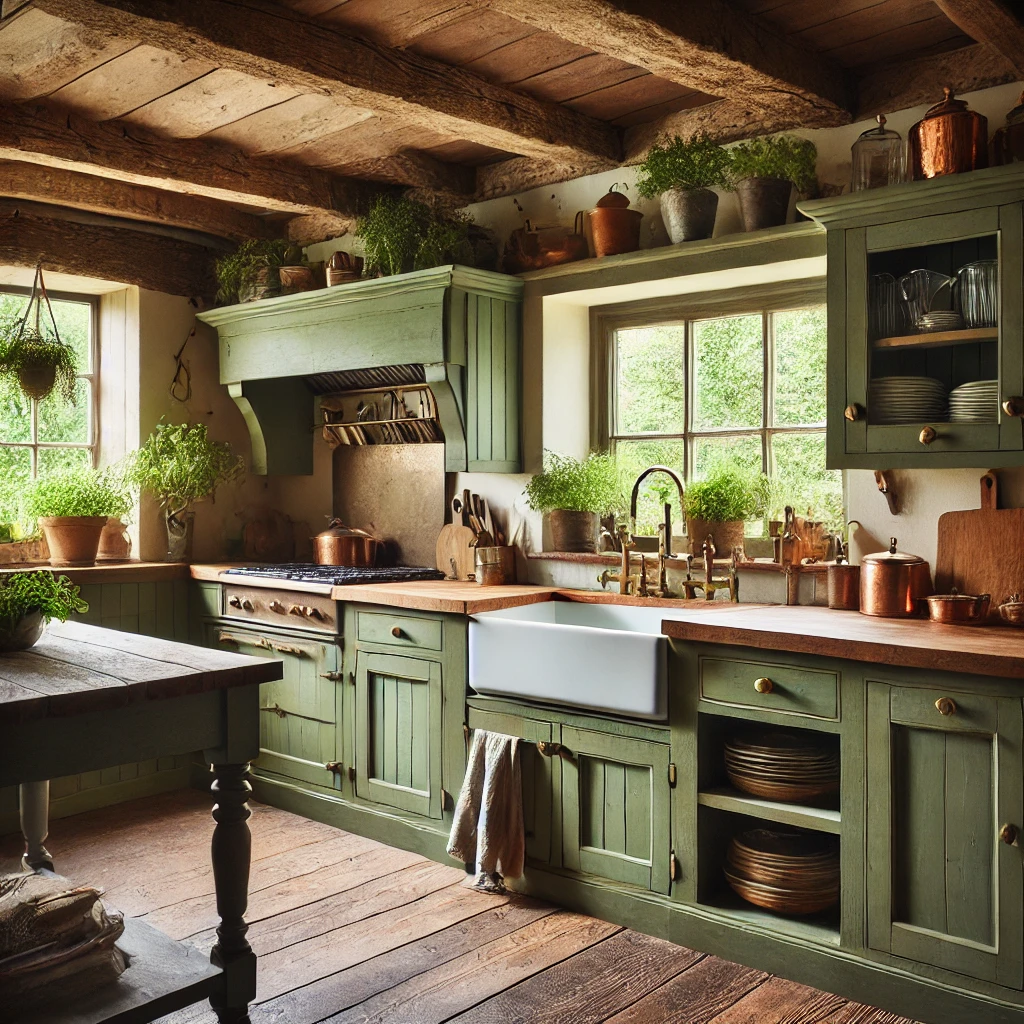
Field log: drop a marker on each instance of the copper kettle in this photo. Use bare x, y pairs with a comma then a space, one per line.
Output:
344, 545
948, 139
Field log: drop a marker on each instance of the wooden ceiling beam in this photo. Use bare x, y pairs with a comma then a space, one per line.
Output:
147, 260
989, 21
77, 191
709, 46
267, 41
419, 171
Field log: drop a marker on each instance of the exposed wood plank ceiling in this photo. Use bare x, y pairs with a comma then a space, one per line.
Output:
252, 117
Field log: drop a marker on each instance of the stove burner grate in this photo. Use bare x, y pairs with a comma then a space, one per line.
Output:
338, 575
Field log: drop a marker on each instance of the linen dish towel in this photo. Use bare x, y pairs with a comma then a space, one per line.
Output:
487, 829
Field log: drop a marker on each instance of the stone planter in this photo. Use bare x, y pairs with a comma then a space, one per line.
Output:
22, 633
726, 536
689, 214
72, 540
764, 202
573, 531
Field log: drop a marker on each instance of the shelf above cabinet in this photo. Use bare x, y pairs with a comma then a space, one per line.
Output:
937, 339
725, 798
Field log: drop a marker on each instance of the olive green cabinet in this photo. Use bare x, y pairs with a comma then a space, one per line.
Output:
944, 877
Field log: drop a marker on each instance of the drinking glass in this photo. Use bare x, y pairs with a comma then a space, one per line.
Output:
976, 293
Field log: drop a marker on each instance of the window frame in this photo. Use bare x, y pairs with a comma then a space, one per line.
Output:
92, 445
749, 301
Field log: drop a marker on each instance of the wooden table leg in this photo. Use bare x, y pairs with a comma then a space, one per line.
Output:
231, 850
34, 798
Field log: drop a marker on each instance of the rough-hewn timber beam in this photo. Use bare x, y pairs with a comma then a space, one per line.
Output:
428, 176
36, 133
992, 22
264, 40
709, 46
150, 261
119, 199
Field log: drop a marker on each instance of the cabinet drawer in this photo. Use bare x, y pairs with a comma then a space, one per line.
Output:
286, 608
794, 691
398, 630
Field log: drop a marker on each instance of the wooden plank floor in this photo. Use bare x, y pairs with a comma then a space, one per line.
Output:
348, 930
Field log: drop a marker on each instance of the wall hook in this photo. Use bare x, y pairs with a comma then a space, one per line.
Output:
885, 486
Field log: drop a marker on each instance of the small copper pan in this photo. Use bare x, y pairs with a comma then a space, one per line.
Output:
956, 608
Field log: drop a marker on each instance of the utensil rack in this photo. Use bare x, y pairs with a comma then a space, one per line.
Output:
342, 428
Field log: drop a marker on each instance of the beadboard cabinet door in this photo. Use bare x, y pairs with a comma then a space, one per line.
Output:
944, 873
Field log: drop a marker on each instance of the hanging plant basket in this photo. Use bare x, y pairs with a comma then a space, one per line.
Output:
38, 381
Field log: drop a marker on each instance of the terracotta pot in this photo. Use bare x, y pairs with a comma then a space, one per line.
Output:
573, 531
615, 230
726, 536
115, 544
764, 202
73, 540
180, 528
23, 633
689, 213
297, 279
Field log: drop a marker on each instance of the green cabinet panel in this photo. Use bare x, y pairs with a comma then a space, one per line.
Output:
795, 691
398, 732
942, 888
385, 627
615, 808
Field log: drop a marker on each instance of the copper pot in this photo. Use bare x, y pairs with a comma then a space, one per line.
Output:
1007, 144
844, 587
344, 545
958, 608
893, 583
948, 139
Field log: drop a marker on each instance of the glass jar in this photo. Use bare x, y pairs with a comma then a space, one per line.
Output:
879, 158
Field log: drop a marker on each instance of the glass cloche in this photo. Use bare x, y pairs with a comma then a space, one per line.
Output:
879, 158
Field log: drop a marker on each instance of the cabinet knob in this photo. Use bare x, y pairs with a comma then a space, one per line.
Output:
396, 632
927, 435
853, 412
276, 606
763, 685
1014, 406
235, 602
1008, 834
945, 706
247, 605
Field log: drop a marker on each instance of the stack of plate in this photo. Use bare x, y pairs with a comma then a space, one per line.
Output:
789, 872
906, 399
940, 320
782, 766
974, 402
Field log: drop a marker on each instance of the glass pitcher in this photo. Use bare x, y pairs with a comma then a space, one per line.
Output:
886, 310
920, 290
976, 293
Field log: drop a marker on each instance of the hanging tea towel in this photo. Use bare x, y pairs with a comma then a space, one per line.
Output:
488, 825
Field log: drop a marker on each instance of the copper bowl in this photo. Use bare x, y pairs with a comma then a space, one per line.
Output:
958, 609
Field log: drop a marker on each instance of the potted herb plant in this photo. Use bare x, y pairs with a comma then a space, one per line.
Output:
720, 504
72, 507
253, 270
28, 601
179, 465
765, 171
575, 493
683, 173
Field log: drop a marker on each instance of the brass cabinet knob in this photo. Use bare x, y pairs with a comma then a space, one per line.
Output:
396, 632
853, 412
927, 435
1014, 406
764, 685
945, 706
1008, 834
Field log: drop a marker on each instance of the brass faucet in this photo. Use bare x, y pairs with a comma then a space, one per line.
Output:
668, 508
628, 583
709, 584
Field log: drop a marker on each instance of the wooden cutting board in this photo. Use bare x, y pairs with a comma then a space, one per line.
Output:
456, 544
981, 551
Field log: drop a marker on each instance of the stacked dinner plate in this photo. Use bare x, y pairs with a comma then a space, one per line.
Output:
787, 871
782, 766
906, 399
974, 402
939, 320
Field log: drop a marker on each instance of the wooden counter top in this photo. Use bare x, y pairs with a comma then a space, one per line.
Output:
809, 629
110, 572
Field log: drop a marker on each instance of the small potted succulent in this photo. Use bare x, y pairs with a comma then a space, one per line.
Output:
253, 270
179, 465
683, 172
72, 507
28, 600
765, 171
575, 493
720, 504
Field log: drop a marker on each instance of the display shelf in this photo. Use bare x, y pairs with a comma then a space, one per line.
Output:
822, 929
938, 339
726, 798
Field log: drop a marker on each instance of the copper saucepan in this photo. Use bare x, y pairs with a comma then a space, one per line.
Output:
954, 607
345, 545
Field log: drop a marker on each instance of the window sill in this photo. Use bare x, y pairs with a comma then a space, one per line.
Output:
614, 557
113, 572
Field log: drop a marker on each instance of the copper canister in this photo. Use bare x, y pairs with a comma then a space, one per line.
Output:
1008, 142
948, 139
844, 587
894, 583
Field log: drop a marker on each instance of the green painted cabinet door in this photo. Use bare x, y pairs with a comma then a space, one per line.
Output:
615, 808
944, 777
298, 713
398, 732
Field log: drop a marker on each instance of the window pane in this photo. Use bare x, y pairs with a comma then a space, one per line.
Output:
728, 364
12, 305
59, 421
743, 451
800, 479
15, 471
15, 413
633, 458
649, 393
51, 459
800, 367
73, 324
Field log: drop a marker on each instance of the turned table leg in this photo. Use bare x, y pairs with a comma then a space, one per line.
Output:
34, 798
230, 851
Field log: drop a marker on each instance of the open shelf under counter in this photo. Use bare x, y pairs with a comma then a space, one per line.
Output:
937, 339
726, 798
822, 929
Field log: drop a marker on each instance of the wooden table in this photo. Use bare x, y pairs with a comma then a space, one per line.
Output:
86, 698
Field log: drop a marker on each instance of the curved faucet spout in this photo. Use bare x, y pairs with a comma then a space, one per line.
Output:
668, 514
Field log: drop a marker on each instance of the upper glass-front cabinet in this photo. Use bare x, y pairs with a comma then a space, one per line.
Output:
926, 322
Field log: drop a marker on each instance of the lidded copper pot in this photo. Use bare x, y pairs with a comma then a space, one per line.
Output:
948, 139
344, 545
893, 583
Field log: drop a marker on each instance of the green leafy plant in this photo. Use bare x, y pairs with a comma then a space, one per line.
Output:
727, 494
179, 465
697, 162
76, 492
54, 597
588, 485
25, 348
778, 156
236, 270
446, 240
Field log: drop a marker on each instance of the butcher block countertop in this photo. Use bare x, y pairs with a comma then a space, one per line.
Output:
810, 629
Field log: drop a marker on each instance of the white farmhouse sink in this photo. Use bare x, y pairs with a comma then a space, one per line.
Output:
603, 657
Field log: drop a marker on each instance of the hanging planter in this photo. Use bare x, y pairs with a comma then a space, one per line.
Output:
33, 356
